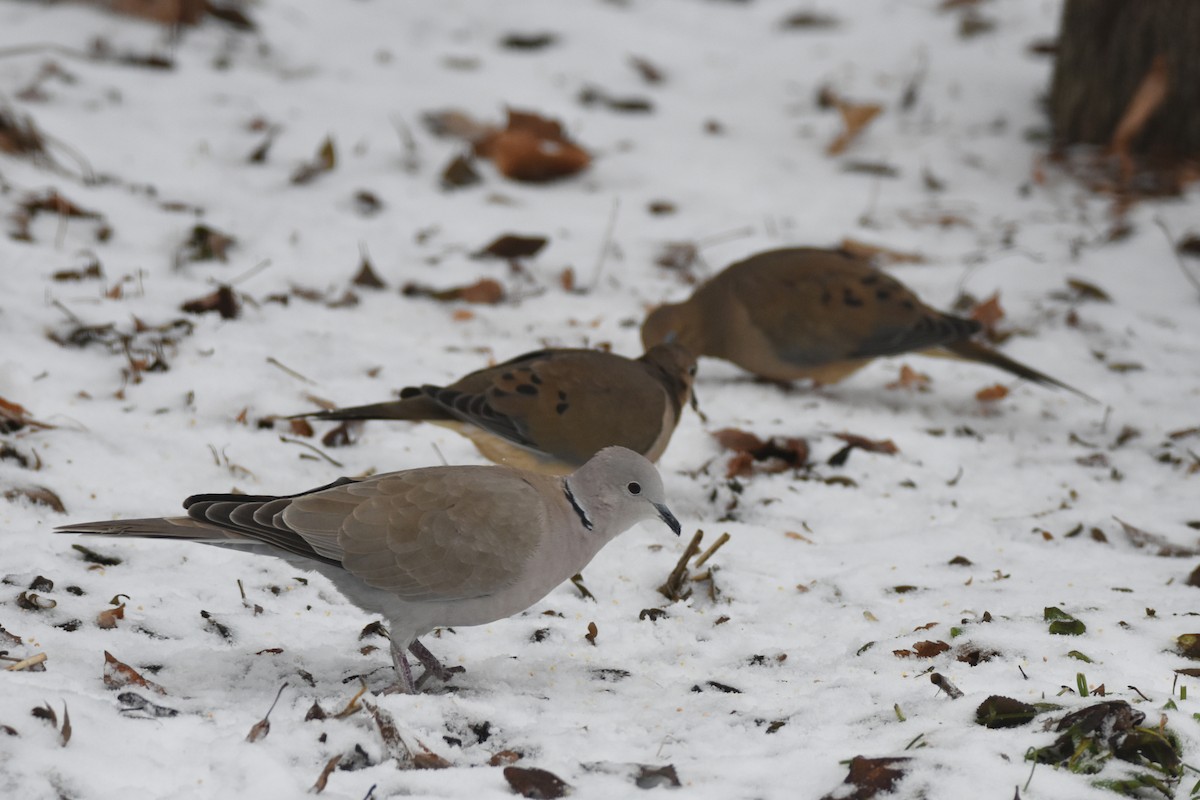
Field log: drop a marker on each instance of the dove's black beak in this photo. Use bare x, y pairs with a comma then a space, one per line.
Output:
666, 516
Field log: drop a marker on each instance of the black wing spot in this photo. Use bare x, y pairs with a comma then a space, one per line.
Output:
882, 294
527, 388
533, 378
561, 408
508, 376
869, 280
851, 299
562, 395
908, 304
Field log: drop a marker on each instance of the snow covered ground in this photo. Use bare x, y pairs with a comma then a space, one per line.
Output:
794, 663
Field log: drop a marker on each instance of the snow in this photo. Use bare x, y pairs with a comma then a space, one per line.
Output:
998, 483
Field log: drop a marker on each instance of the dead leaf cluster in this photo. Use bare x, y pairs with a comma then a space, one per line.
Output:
51, 202
529, 148
751, 454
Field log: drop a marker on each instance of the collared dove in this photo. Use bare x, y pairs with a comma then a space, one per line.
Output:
805, 312
552, 410
432, 547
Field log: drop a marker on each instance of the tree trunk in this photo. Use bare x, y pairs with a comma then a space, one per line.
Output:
1106, 48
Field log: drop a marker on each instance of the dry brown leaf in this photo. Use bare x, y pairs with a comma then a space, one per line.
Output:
504, 758
536, 783
990, 394
567, 279
38, 495
300, 427
1165, 547
13, 417
206, 244
740, 466
166, 12
988, 313
924, 649
532, 149
367, 277
737, 439
911, 379
869, 777
485, 290
118, 674
107, 618
323, 778
223, 301
324, 161
885, 446
856, 117
861, 249
511, 245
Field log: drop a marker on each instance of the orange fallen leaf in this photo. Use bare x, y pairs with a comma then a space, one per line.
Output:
886, 446
532, 149
485, 290
911, 379
872, 251
118, 674
990, 394
855, 117
107, 618
988, 313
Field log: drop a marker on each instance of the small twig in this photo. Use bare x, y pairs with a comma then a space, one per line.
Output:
674, 582
942, 682
722, 539
408, 144
1140, 695
725, 236
34, 49
276, 363
606, 243
32, 661
71, 315
1174, 250
438, 451
314, 448
250, 273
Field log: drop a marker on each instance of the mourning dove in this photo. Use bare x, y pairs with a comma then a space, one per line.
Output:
433, 547
804, 312
552, 410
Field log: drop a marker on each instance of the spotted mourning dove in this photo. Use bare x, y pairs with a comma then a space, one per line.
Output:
433, 547
802, 312
552, 410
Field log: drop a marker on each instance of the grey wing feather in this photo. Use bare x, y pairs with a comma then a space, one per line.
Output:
432, 534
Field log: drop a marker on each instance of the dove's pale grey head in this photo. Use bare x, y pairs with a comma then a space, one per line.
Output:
615, 490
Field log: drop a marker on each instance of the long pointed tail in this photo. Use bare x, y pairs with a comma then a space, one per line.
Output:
411, 408
179, 528
975, 351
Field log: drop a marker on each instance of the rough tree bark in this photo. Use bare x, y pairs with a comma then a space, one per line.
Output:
1106, 48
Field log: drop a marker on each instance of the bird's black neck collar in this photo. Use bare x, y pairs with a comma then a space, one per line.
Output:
583, 517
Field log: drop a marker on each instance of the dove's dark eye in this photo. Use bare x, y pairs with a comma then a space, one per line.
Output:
634, 488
